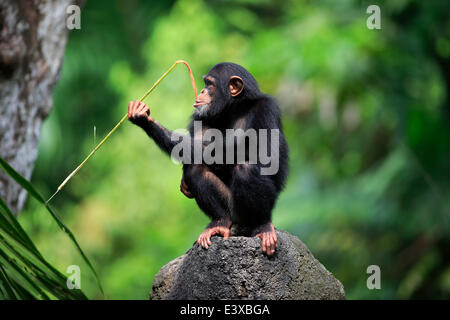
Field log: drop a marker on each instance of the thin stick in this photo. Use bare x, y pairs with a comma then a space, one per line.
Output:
122, 121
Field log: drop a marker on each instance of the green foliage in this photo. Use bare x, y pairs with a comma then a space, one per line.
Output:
365, 113
24, 273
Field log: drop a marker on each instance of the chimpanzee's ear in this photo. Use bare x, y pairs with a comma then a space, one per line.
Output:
236, 85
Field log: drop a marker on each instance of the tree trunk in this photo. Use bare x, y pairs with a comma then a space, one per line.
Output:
33, 37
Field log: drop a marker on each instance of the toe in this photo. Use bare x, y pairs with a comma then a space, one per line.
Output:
272, 247
226, 233
208, 241
202, 240
264, 244
205, 241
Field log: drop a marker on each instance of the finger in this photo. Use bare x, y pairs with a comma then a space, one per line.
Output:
185, 193
183, 184
226, 234
142, 113
130, 105
135, 105
140, 107
145, 111
133, 109
142, 104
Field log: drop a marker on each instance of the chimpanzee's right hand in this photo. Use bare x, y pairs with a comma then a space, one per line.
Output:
139, 113
185, 189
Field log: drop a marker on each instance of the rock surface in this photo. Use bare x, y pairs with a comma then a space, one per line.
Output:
235, 268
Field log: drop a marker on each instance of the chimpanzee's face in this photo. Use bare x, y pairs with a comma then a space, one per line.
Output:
213, 99
204, 100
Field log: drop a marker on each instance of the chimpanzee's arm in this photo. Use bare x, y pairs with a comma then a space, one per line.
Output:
162, 136
139, 114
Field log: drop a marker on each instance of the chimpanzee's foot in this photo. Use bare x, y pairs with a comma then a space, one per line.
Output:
268, 238
205, 238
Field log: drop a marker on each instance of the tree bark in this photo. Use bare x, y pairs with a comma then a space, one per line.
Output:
33, 37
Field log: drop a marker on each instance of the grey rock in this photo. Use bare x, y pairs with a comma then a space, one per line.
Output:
163, 281
235, 268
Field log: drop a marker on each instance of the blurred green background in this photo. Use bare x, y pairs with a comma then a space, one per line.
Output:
366, 114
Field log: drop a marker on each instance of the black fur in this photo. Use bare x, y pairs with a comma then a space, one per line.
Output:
235, 192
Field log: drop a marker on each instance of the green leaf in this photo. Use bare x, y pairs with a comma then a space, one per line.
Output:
10, 224
6, 288
21, 277
43, 273
20, 180
32, 191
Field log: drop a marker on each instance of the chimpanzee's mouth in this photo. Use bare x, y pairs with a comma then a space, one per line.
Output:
200, 104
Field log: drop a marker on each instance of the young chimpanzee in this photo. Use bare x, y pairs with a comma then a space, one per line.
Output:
235, 193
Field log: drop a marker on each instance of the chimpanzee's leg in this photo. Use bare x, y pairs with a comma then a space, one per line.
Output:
253, 198
213, 197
